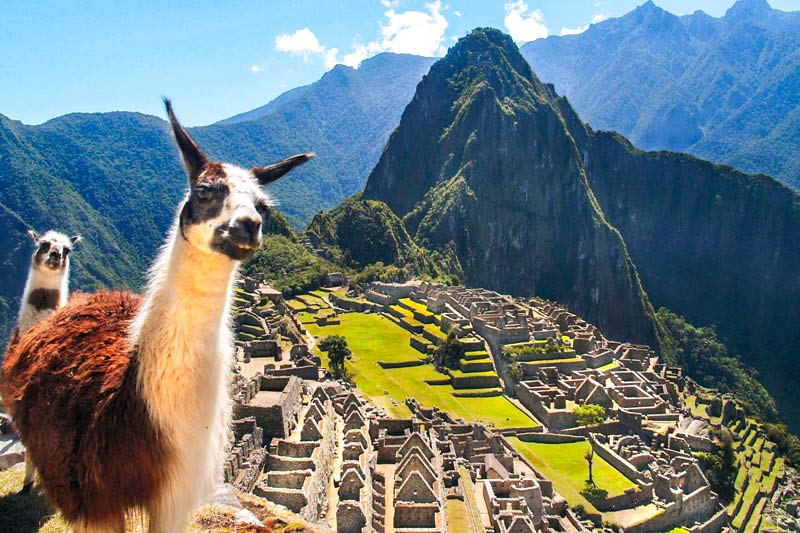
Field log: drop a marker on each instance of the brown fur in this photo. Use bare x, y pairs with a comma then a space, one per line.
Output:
212, 171
70, 384
44, 298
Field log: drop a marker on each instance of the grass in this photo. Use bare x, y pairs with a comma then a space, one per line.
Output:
296, 305
610, 366
566, 467
416, 306
469, 499
456, 513
374, 338
28, 513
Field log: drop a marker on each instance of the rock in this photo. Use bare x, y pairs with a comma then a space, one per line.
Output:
244, 516
226, 496
12, 451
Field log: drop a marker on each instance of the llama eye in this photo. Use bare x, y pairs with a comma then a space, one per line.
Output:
44, 246
204, 194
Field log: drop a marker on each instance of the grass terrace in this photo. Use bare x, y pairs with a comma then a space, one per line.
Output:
759, 468
416, 306
374, 338
565, 466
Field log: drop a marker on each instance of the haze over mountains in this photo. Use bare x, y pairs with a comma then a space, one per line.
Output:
726, 89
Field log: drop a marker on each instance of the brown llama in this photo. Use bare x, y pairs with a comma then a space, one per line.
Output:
122, 400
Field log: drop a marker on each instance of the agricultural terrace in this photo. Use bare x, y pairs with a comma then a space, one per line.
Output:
760, 468
565, 466
374, 338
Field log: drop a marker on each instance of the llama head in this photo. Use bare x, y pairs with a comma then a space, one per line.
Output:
222, 212
52, 250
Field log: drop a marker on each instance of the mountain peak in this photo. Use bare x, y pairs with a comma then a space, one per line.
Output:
649, 7
749, 9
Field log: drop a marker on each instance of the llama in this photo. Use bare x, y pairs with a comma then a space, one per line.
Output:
122, 399
47, 286
46, 290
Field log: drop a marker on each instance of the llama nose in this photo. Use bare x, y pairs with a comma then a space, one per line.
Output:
54, 256
246, 231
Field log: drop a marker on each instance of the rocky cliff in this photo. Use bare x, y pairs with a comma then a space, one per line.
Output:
483, 163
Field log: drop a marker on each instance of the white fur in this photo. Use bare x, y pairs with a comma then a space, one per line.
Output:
185, 345
43, 278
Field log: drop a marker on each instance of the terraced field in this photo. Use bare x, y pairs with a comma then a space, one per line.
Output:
373, 338
759, 469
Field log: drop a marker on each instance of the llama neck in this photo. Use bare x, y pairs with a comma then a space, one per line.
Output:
182, 333
45, 291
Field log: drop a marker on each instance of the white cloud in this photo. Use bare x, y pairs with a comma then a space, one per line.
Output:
415, 32
574, 31
524, 27
407, 32
256, 68
599, 17
457, 13
302, 42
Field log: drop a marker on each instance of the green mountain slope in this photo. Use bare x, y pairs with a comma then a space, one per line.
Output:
533, 201
483, 164
116, 177
725, 89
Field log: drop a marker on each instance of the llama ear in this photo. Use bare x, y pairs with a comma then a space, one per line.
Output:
75, 239
33, 235
193, 158
270, 173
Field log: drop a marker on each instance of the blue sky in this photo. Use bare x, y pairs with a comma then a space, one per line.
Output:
216, 59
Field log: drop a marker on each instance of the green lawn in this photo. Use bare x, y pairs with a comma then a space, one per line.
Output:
565, 466
296, 305
422, 308
374, 338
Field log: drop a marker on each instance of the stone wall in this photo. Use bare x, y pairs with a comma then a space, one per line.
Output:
549, 438
316, 488
277, 418
625, 467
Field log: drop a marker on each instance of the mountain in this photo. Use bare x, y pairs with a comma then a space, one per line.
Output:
725, 89
491, 164
482, 163
345, 117
116, 177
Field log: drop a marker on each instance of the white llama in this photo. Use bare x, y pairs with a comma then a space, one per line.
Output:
47, 287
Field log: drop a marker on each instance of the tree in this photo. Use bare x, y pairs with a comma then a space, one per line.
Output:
515, 372
448, 354
589, 414
589, 458
338, 351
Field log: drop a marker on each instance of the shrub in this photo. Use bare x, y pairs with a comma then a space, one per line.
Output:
515, 372
448, 354
590, 414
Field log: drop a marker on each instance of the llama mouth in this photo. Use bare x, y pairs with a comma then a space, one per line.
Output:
237, 252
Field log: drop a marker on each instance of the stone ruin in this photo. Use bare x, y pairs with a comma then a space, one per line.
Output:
299, 465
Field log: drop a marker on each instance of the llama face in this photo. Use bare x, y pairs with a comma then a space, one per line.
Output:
223, 209
52, 250
222, 212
